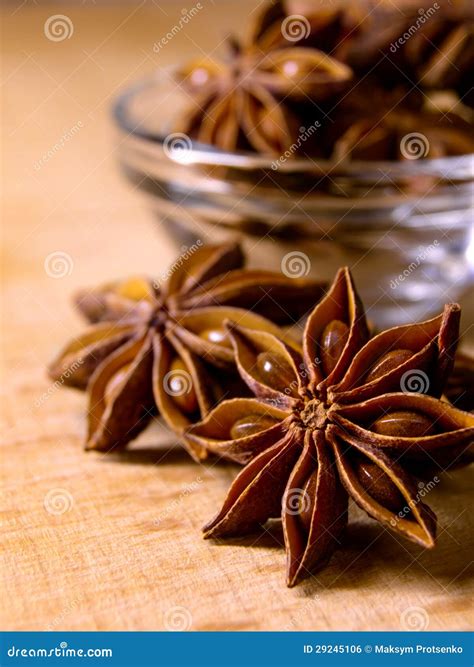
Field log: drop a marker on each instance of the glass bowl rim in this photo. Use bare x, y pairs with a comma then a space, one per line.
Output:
208, 154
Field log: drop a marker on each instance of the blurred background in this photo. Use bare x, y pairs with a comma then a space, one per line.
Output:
62, 151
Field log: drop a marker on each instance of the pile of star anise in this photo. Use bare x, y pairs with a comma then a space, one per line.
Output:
367, 74
340, 414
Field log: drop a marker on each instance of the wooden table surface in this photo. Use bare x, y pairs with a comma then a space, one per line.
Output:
94, 542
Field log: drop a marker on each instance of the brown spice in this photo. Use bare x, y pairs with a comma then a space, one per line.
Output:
352, 428
156, 348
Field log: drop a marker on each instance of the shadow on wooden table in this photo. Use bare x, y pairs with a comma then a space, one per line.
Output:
367, 549
270, 537
162, 455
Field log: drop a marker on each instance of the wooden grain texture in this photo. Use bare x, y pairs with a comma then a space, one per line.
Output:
127, 551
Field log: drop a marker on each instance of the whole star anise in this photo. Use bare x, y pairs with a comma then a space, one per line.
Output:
337, 420
163, 347
246, 102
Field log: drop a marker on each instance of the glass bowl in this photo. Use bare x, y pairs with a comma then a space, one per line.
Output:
404, 228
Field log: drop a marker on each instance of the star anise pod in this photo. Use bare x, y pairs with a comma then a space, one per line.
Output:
359, 34
156, 347
246, 102
440, 52
431, 46
337, 420
405, 135
460, 386
331, 29
425, 45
